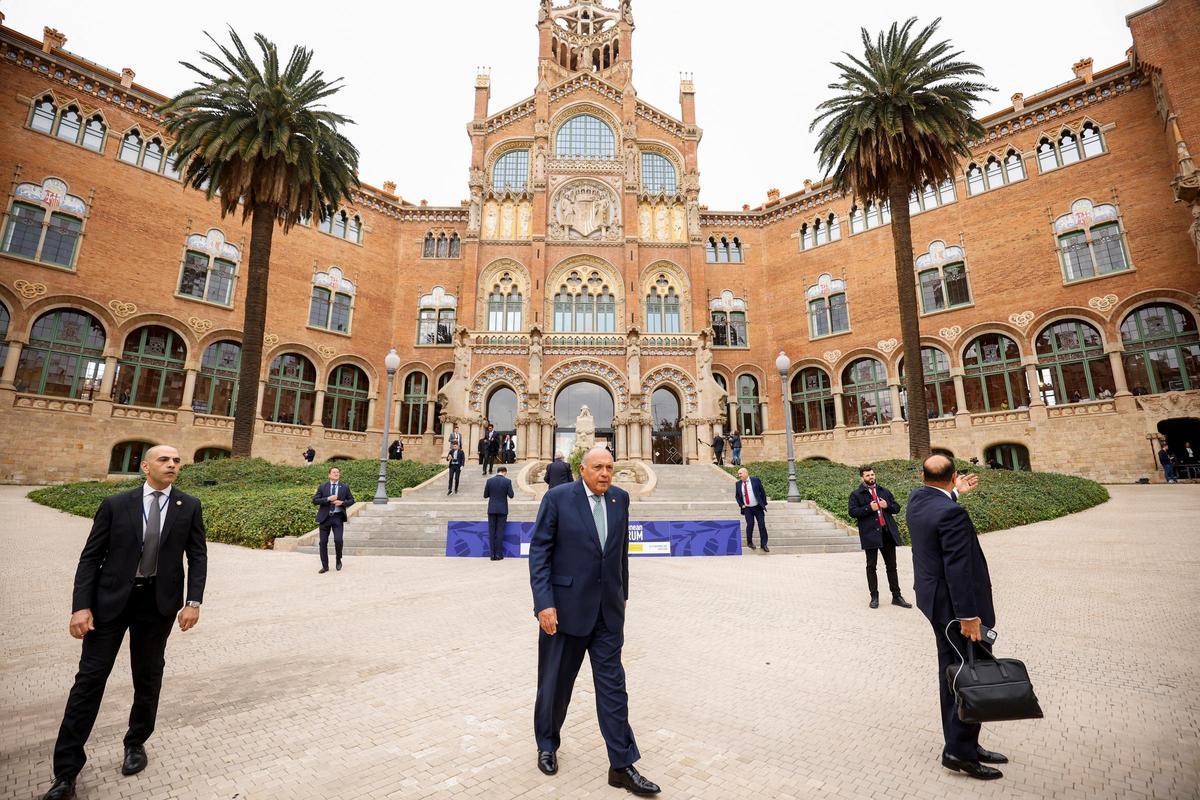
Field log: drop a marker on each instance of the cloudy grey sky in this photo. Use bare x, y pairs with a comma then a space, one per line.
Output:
760, 66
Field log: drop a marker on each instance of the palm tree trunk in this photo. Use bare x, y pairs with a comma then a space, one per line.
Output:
262, 229
910, 329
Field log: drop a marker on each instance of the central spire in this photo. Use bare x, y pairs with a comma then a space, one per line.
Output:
585, 36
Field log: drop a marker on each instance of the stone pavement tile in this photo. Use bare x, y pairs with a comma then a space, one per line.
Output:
759, 678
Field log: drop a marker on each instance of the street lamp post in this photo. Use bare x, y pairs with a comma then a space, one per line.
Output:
392, 362
783, 364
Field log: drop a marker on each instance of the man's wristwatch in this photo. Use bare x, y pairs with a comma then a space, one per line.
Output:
193, 603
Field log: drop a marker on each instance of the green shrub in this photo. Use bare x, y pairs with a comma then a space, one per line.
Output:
1003, 499
252, 501
575, 460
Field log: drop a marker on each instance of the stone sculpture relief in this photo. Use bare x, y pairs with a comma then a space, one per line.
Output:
585, 209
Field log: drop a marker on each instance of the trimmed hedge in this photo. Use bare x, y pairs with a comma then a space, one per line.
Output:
1003, 499
253, 501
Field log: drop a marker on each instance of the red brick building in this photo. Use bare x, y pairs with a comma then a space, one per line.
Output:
1057, 277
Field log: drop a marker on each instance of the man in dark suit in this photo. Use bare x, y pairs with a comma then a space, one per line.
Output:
333, 498
752, 500
954, 592
718, 447
457, 459
492, 451
130, 578
579, 572
497, 490
559, 471
873, 506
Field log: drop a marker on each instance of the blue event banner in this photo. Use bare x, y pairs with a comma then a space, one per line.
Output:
721, 537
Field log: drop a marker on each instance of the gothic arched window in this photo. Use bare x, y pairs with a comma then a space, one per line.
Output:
585, 136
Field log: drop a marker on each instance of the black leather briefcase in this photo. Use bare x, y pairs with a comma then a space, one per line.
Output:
992, 689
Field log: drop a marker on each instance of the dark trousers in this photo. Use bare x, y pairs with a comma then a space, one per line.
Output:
719, 454
455, 474
559, 659
889, 562
496, 534
962, 738
753, 514
148, 632
333, 522
489, 463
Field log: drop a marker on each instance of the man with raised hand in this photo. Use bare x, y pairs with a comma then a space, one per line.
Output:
130, 578
579, 572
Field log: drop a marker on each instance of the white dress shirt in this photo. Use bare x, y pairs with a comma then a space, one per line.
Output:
333, 490
163, 502
603, 505
742, 490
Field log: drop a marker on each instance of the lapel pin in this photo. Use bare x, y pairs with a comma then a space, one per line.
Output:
178, 502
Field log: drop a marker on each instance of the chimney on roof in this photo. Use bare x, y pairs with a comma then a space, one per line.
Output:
807, 185
389, 187
1083, 69
1018, 101
52, 39
772, 195
127, 76
745, 206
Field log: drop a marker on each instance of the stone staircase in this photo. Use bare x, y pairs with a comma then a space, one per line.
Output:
415, 525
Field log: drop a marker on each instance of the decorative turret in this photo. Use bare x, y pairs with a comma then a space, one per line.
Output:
584, 36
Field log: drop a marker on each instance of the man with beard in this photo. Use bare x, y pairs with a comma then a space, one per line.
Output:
875, 509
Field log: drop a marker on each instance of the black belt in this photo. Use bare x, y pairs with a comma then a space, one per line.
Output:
143, 582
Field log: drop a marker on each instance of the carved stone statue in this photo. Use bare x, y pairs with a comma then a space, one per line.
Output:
478, 177
541, 128
544, 10
475, 212
585, 429
535, 360
539, 163
1194, 230
693, 214
627, 11
462, 353
710, 391
630, 163
633, 355
453, 396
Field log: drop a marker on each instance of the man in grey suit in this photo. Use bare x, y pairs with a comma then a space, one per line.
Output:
579, 573
559, 471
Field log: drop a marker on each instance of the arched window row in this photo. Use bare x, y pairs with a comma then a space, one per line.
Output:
930, 197
209, 268
1069, 146
331, 304
728, 320
663, 307
827, 310
437, 313
723, 250
585, 305
150, 153
342, 225
994, 172
658, 174
68, 123
749, 406
1091, 241
1162, 349
822, 230
505, 305
869, 215
44, 223
585, 136
569, 57
442, 244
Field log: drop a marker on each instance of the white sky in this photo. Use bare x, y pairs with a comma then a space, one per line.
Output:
760, 66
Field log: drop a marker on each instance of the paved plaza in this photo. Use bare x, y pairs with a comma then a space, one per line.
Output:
764, 676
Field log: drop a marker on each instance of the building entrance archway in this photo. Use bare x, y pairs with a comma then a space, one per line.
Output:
666, 442
567, 405
502, 410
1179, 432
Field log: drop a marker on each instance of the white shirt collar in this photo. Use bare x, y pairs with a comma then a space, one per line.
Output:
148, 490
943, 491
590, 493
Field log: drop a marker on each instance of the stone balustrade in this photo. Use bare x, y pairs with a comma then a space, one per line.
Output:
1082, 409
999, 417
143, 414
285, 429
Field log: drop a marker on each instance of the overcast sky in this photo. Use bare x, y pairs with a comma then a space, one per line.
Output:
761, 66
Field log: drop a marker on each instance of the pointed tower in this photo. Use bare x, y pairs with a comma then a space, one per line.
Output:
585, 36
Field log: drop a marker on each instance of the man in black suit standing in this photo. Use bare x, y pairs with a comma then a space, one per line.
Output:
579, 572
457, 459
559, 471
718, 447
954, 592
333, 498
491, 451
130, 578
752, 500
874, 508
497, 490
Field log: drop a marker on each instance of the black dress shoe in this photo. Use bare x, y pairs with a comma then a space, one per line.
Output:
135, 760
972, 768
61, 789
874, 601
898, 600
339, 565
547, 762
322, 570
988, 757
631, 780
766, 549
751, 545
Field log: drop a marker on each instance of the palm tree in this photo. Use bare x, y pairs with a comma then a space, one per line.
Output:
901, 118
260, 138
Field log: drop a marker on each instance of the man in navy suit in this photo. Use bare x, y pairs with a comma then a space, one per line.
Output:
456, 458
752, 500
332, 499
497, 491
559, 471
874, 508
579, 572
954, 592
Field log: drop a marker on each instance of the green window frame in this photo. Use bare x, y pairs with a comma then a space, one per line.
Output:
812, 401
126, 458
940, 399
32, 234
943, 287
412, 412
1072, 365
291, 390
866, 398
210, 454
151, 372
1008, 456
217, 381
346, 399
1162, 349
992, 374
749, 406
64, 357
